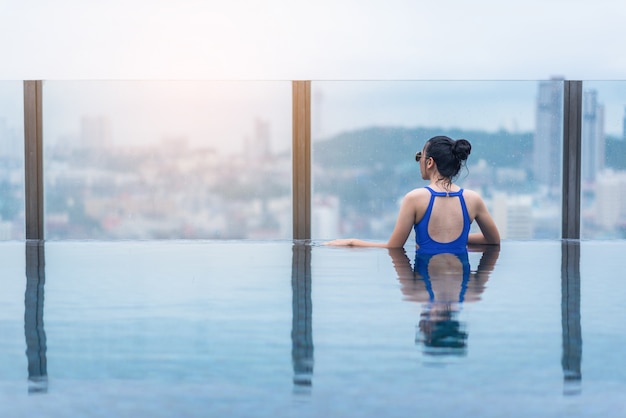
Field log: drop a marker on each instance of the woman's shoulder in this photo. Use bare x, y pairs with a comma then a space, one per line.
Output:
470, 193
472, 197
418, 192
418, 198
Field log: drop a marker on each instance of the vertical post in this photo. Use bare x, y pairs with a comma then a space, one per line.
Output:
571, 358
33, 317
572, 138
33, 160
302, 316
301, 146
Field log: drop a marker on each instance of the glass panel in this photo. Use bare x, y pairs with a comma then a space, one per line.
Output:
365, 135
603, 200
167, 159
11, 160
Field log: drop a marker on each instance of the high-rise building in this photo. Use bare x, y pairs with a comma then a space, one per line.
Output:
593, 138
325, 222
610, 205
624, 126
10, 144
95, 132
258, 148
514, 215
547, 148
316, 110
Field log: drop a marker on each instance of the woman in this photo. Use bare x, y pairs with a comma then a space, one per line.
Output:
441, 212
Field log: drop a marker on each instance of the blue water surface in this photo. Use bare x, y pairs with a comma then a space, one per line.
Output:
243, 328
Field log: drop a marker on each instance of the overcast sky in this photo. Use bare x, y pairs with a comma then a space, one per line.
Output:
324, 40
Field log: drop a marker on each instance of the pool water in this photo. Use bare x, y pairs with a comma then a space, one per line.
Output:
244, 328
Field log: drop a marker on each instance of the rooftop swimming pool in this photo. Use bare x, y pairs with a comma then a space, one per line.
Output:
242, 328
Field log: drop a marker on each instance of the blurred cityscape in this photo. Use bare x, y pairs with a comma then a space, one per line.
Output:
171, 189
95, 190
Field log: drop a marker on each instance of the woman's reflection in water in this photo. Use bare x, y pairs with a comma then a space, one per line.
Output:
443, 282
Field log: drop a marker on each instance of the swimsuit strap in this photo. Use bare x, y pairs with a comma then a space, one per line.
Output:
434, 193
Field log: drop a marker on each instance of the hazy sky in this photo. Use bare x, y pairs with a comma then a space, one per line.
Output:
322, 39
326, 40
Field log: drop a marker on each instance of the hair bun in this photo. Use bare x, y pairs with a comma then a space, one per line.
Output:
462, 148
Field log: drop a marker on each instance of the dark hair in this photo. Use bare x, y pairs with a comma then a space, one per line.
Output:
442, 333
449, 155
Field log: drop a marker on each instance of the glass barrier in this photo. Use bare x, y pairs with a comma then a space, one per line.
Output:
603, 171
167, 159
365, 135
11, 160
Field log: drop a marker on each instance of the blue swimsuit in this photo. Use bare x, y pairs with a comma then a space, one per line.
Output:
427, 244
421, 266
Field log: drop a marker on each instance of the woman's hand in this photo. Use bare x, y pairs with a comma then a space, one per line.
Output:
346, 242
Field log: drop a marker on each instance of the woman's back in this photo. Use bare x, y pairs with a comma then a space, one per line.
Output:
445, 223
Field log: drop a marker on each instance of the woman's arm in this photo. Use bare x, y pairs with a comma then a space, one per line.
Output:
401, 264
489, 233
355, 242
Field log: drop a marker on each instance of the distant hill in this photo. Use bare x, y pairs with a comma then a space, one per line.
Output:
389, 145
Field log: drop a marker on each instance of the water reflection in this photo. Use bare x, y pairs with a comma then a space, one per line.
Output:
570, 317
33, 317
302, 324
443, 282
